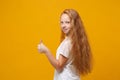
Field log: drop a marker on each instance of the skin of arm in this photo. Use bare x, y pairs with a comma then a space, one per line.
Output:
57, 64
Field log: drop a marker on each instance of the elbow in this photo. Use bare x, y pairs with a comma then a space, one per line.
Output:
59, 67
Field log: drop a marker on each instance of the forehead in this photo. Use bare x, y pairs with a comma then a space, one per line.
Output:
65, 17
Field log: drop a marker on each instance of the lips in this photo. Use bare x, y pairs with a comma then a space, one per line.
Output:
65, 30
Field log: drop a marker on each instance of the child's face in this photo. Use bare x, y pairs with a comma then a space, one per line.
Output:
65, 23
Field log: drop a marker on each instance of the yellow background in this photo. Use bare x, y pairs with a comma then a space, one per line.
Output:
24, 22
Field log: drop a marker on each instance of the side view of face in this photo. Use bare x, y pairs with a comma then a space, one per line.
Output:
65, 23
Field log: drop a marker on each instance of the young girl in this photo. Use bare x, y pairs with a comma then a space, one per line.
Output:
73, 57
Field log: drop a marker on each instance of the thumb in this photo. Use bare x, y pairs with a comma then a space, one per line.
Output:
41, 41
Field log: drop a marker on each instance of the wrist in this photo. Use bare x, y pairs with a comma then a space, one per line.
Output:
47, 52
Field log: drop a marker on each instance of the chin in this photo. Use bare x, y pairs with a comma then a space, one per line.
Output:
66, 32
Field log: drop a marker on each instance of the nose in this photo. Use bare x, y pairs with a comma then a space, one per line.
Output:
63, 25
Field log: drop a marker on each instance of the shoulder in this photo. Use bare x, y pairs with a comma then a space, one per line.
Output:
67, 42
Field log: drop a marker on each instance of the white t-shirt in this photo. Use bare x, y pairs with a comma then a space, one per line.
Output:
68, 72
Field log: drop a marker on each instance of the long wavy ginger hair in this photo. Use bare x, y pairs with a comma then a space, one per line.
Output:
80, 51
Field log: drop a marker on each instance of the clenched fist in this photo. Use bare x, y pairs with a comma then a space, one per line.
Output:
42, 48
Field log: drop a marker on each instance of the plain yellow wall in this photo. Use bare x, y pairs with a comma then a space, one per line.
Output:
24, 22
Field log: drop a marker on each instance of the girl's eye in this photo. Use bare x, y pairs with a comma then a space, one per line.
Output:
67, 22
61, 22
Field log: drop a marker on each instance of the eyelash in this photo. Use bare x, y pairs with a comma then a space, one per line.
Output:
65, 22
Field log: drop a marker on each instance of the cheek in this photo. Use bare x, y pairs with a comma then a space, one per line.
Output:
69, 26
61, 27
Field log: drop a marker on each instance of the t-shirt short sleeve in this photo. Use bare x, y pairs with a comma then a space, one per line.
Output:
64, 48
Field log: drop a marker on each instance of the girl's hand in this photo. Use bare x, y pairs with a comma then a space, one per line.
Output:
42, 48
